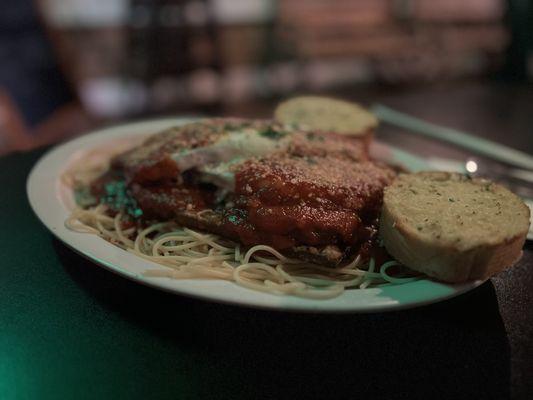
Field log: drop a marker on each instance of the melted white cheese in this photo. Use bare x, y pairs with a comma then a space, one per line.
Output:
214, 161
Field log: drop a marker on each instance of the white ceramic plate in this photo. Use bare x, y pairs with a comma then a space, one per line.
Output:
51, 199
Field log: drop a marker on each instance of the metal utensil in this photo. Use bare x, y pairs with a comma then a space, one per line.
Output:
467, 141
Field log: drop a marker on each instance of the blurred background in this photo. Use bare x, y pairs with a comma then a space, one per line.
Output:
72, 65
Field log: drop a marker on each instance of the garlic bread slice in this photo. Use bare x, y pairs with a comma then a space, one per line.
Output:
451, 227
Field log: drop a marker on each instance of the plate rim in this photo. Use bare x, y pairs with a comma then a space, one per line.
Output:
47, 171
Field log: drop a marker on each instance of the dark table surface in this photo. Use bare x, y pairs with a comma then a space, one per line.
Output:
70, 329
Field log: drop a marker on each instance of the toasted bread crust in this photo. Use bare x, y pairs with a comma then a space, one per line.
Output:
324, 114
435, 255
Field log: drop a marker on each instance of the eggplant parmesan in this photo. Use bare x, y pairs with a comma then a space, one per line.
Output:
313, 195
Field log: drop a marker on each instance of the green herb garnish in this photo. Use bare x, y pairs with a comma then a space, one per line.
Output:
272, 133
118, 198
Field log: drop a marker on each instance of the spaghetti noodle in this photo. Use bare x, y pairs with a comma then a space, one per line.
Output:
188, 254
